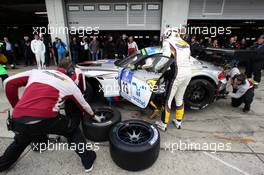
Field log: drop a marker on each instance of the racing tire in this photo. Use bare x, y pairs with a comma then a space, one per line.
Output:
88, 93
134, 144
199, 94
99, 132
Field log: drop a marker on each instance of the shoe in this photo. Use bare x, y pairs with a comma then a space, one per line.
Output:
177, 123
88, 161
162, 126
5, 164
154, 114
89, 170
246, 110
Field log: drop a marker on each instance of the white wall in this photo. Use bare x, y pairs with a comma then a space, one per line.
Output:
57, 19
174, 13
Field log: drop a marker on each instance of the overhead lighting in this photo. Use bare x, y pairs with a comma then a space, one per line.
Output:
41, 13
249, 22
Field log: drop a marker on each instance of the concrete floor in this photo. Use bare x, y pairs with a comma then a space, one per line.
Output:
239, 138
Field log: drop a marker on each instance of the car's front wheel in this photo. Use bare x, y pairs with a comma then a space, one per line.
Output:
199, 94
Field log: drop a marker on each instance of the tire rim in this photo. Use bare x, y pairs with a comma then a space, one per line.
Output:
134, 133
198, 93
105, 114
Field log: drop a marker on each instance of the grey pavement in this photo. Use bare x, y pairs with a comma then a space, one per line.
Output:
238, 138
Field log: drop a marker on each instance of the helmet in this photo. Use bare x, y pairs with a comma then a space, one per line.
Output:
171, 32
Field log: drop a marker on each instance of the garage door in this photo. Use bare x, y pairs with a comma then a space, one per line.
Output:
226, 9
115, 15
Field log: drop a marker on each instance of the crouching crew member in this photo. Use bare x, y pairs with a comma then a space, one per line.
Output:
243, 92
36, 113
174, 46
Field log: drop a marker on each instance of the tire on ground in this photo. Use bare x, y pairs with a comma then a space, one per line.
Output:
134, 156
209, 94
99, 132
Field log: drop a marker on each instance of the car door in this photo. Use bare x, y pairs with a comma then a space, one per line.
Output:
136, 84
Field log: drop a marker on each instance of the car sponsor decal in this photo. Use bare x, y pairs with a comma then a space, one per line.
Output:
151, 50
126, 75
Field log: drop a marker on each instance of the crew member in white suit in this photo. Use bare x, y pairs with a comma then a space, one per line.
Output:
38, 48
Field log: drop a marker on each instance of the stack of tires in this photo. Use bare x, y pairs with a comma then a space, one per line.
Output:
134, 144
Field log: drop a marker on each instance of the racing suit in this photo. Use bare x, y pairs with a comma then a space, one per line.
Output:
38, 48
36, 113
181, 75
243, 93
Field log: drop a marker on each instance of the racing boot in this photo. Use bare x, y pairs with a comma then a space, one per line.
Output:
162, 126
177, 123
179, 116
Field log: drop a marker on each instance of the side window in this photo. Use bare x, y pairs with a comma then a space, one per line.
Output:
160, 63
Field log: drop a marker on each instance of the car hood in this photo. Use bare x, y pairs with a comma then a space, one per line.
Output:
104, 67
107, 65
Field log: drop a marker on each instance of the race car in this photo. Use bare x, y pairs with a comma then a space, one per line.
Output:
140, 78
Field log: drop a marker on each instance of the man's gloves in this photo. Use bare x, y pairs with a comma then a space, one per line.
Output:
98, 118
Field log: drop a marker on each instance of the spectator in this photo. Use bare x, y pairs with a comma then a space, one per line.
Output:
109, 48
215, 44
94, 48
47, 48
54, 51
243, 44
209, 42
201, 42
232, 43
122, 47
85, 53
132, 46
254, 65
236, 42
38, 48
3, 60
61, 49
9, 52
195, 47
27, 52
75, 49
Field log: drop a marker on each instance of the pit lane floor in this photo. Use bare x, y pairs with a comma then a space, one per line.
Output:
237, 138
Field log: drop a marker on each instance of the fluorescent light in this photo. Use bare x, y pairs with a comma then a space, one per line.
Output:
41, 13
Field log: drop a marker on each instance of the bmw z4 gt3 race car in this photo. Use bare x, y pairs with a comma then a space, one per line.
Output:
139, 79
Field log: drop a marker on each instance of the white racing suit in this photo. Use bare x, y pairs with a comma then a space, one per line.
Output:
180, 50
38, 48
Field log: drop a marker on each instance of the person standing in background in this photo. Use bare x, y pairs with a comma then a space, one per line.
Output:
54, 51
94, 48
85, 49
75, 49
47, 49
254, 65
27, 51
122, 47
232, 43
243, 44
61, 49
38, 48
109, 48
209, 43
132, 46
9, 52
215, 44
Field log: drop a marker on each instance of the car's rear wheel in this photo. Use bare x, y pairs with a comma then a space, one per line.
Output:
134, 144
199, 94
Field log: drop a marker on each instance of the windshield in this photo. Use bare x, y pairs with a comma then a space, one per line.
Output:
129, 60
